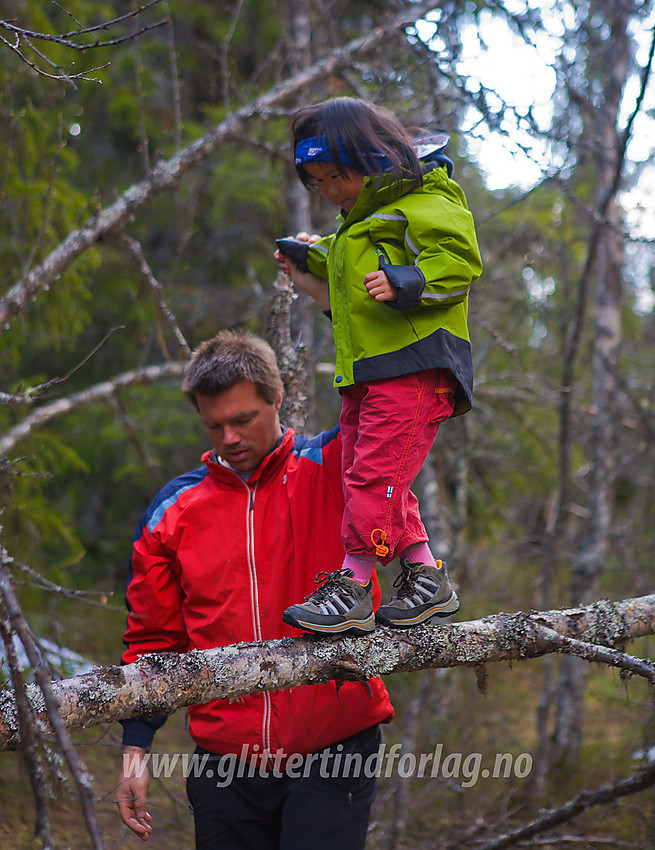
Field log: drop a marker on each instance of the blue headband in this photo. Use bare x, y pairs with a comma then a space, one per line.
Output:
317, 149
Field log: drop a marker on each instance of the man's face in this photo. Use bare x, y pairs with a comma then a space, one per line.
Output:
242, 427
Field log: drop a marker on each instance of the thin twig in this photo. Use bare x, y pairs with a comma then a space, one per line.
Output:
137, 251
42, 583
64, 37
225, 55
29, 395
25, 38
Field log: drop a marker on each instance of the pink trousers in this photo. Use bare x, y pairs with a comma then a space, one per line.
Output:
387, 429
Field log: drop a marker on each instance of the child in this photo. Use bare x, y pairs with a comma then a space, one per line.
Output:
395, 277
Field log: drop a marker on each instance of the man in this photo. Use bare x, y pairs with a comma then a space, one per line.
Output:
218, 556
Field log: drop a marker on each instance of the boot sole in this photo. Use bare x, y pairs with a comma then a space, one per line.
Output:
353, 627
442, 609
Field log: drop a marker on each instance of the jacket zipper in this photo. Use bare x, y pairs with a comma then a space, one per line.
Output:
254, 605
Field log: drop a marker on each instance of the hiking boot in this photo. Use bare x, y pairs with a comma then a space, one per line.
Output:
423, 592
340, 604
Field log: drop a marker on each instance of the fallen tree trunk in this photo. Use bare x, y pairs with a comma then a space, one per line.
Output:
160, 683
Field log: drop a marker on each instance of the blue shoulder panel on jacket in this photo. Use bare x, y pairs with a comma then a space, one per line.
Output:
168, 496
312, 449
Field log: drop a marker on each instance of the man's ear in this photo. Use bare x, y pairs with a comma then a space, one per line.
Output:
278, 404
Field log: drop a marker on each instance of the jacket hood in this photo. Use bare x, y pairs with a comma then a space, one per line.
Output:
383, 189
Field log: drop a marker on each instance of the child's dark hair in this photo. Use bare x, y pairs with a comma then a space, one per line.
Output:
365, 131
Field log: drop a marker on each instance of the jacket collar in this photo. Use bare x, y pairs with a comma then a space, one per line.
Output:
267, 468
382, 189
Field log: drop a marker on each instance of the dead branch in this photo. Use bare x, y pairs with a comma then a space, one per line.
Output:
601, 654
136, 250
99, 392
291, 358
30, 395
165, 175
66, 38
160, 683
24, 40
576, 806
42, 583
29, 745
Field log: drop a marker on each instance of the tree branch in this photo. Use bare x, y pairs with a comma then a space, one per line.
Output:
601, 654
136, 250
160, 683
67, 39
576, 806
99, 392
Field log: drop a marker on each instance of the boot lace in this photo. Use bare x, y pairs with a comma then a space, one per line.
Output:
330, 582
406, 579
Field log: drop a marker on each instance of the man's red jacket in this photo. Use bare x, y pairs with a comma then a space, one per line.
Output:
216, 560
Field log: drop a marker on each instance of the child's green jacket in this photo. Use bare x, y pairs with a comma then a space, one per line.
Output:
425, 241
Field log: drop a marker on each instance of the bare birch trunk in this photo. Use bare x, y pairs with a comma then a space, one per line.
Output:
429, 493
592, 556
414, 717
299, 218
291, 360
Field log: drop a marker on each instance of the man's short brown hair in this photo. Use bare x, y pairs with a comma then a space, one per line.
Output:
227, 358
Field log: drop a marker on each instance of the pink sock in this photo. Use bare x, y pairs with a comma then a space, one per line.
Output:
361, 565
418, 552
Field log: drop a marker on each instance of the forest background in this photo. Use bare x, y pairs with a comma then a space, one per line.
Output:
142, 185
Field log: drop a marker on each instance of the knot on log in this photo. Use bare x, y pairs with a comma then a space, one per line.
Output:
347, 669
520, 631
609, 627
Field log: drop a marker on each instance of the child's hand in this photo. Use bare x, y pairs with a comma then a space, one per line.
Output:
379, 287
310, 283
305, 237
283, 261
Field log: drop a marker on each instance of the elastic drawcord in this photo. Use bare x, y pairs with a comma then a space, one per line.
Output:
380, 549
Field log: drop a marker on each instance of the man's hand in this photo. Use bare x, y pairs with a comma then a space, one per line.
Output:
379, 287
310, 283
132, 792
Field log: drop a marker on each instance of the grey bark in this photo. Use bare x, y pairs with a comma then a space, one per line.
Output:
290, 358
